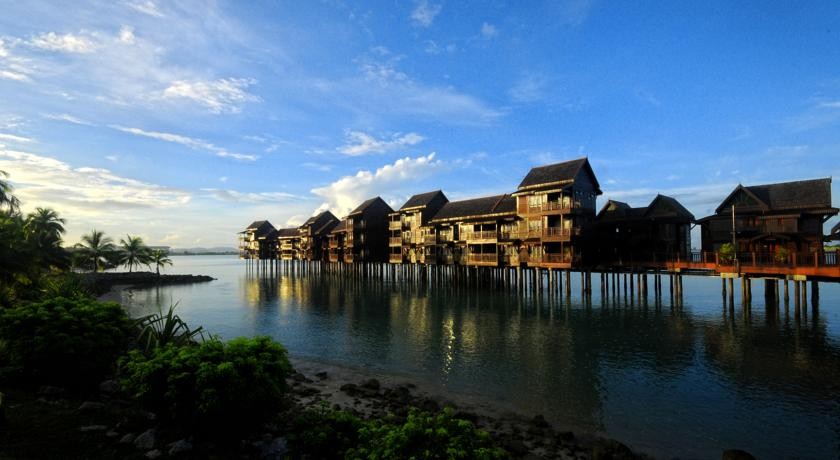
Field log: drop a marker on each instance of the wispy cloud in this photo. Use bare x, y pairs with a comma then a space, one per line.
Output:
67, 118
193, 143
830, 105
65, 43
14, 138
424, 13
146, 7
347, 192
359, 143
226, 95
529, 88
13, 67
489, 30
249, 197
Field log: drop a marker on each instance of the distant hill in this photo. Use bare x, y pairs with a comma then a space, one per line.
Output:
204, 251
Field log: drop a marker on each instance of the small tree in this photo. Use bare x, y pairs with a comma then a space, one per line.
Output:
134, 252
159, 258
782, 255
96, 247
726, 253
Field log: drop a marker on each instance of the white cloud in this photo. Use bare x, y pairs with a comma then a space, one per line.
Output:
249, 197
296, 221
318, 166
127, 35
112, 158
67, 118
146, 7
223, 179
46, 181
193, 143
359, 143
830, 105
67, 43
347, 192
13, 138
225, 95
424, 13
529, 88
13, 67
489, 30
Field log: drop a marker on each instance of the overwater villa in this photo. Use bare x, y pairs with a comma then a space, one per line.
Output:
367, 232
337, 240
314, 234
785, 218
409, 233
255, 241
288, 242
556, 202
623, 235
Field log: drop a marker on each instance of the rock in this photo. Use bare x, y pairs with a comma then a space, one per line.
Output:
322, 375
464, 415
516, 447
399, 395
109, 387
89, 428
429, 405
539, 421
307, 391
277, 448
154, 454
127, 439
298, 377
179, 447
350, 388
112, 434
737, 454
371, 384
91, 406
610, 449
146, 440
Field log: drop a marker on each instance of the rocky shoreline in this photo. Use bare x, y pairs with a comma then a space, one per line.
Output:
103, 282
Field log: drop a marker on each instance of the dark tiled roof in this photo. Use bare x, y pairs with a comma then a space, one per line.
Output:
256, 224
678, 208
327, 227
558, 172
288, 232
260, 227
368, 203
498, 204
796, 195
422, 199
320, 218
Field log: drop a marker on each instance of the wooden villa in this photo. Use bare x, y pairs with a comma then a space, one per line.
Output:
367, 232
337, 240
314, 235
408, 228
288, 242
480, 231
555, 203
256, 241
626, 236
772, 220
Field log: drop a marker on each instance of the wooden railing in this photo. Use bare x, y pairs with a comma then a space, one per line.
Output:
549, 206
556, 232
395, 258
481, 235
430, 239
394, 225
483, 258
395, 241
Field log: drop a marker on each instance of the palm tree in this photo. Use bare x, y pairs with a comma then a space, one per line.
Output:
6, 198
159, 258
134, 252
43, 233
96, 248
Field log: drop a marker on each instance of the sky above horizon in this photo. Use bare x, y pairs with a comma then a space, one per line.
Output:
183, 122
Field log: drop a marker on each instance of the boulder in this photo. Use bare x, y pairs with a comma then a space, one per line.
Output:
179, 447
371, 384
146, 440
350, 388
322, 375
128, 439
91, 406
156, 453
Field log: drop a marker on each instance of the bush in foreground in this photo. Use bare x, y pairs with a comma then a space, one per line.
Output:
212, 387
324, 433
67, 342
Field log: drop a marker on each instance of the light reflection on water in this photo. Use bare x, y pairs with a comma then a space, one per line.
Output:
685, 381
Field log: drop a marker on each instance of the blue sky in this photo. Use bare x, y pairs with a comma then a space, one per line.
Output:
184, 121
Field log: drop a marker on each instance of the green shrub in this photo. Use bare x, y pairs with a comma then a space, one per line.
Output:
782, 255
425, 436
324, 434
159, 330
726, 253
213, 387
67, 285
64, 342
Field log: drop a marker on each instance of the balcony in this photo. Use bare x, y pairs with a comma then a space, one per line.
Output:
512, 235
348, 258
394, 225
481, 235
395, 241
556, 258
430, 239
549, 207
483, 259
558, 233
333, 244
395, 258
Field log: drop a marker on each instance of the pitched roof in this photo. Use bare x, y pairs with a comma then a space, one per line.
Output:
497, 204
422, 199
288, 232
836, 229
803, 194
564, 172
327, 227
259, 227
618, 210
319, 218
678, 209
368, 203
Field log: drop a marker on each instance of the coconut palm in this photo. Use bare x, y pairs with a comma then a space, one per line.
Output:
134, 251
159, 258
96, 247
7, 200
45, 225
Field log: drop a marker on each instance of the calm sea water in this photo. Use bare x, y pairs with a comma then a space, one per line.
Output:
684, 381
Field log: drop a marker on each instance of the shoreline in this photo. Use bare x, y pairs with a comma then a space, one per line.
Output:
109, 284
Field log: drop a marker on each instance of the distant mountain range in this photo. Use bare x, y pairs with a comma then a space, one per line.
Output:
213, 250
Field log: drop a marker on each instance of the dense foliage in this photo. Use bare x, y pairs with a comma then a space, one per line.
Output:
425, 436
161, 329
212, 387
324, 434
72, 342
